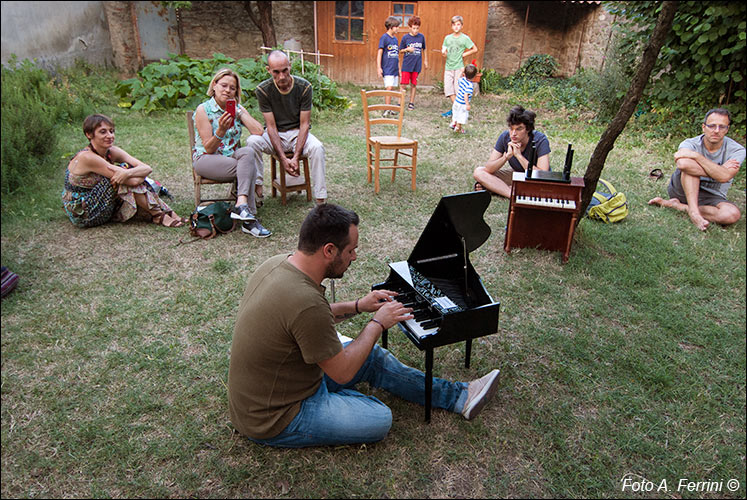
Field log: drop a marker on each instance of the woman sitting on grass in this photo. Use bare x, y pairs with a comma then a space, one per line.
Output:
103, 182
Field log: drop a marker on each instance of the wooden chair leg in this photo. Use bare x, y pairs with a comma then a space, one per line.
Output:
396, 162
414, 163
307, 178
376, 168
272, 176
369, 167
197, 193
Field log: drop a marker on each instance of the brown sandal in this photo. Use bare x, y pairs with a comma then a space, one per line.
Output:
160, 219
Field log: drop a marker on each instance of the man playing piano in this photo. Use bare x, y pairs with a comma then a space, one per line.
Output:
706, 166
291, 380
510, 153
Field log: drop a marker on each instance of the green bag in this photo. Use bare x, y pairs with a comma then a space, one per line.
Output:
608, 207
207, 221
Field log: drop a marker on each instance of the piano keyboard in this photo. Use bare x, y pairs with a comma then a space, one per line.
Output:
424, 322
545, 202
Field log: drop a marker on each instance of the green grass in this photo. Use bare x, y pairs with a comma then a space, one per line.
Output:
629, 359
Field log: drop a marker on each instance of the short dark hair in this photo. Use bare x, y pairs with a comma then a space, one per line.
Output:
391, 22
414, 21
519, 115
92, 122
718, 111
326, 223
470, 71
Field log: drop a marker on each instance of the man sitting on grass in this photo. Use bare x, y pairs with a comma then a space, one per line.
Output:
706, 166
291, 381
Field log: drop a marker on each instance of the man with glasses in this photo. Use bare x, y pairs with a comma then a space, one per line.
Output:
510, 153
706, 166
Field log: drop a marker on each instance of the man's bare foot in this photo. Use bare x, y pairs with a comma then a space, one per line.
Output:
698, 220
672, 203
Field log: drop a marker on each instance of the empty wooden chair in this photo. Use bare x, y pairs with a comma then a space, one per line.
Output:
375, 144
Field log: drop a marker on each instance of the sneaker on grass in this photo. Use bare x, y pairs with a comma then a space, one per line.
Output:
242, 213
255, 229
479, 392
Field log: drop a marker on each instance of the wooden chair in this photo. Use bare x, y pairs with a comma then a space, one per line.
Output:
396, 143
284, 183
199, 181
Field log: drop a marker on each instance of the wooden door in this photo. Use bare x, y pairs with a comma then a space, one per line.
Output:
350, 31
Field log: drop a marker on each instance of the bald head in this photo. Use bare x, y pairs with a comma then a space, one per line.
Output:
279, 67
278, 56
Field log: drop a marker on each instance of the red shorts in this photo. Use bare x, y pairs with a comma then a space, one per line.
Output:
408, 76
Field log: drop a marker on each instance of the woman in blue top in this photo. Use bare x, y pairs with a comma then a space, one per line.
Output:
217, 154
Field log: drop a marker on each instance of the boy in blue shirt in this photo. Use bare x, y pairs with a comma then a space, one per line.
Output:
413, 48
387, 58
465, 91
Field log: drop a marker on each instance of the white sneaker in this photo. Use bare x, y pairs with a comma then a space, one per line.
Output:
255, 229
479, 392
242, 213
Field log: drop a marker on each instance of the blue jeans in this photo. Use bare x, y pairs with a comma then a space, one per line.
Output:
336, 414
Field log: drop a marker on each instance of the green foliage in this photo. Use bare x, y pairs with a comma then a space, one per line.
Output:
490, 82
537, 66
702, 63
33, 106
181, 82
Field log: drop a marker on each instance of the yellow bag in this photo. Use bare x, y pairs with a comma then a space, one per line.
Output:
612, 207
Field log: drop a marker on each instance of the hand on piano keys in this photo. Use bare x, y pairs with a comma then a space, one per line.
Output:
375, 299
392, 312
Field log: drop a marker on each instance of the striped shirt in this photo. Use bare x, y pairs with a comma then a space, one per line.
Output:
465, 88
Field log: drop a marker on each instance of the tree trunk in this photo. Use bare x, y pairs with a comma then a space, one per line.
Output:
638, 84
263, 21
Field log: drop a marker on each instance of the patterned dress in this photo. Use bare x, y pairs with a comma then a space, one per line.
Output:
90, 200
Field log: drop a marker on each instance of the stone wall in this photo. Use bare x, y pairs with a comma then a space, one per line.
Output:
225, 27
574, 33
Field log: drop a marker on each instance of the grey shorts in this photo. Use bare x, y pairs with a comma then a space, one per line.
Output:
710, 198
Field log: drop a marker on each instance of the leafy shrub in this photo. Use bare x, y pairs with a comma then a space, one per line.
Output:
32, 108
537, 66
490, 82
182, 82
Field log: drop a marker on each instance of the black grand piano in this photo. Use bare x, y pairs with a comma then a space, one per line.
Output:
438, 281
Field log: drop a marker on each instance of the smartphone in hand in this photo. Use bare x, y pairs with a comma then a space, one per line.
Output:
231, 107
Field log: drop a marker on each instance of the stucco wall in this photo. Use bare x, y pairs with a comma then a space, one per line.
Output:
56, 33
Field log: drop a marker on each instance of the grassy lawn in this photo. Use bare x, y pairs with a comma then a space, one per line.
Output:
628, 361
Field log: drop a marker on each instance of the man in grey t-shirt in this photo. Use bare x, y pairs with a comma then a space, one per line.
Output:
706, 165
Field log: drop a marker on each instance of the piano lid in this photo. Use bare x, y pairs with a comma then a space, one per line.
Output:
457, 217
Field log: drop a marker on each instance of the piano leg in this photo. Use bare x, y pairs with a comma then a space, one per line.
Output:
467, 352
428, 383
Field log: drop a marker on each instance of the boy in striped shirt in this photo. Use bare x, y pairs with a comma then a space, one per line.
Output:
465, 91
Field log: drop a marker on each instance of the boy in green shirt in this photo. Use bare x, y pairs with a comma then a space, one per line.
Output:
455, 48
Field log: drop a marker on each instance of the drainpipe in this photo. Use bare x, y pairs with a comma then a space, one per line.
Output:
316, 38
523, 34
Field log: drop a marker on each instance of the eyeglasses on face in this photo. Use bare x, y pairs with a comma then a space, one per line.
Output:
716, 126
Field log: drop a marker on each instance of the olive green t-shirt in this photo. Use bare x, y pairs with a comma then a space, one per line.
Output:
283, 329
